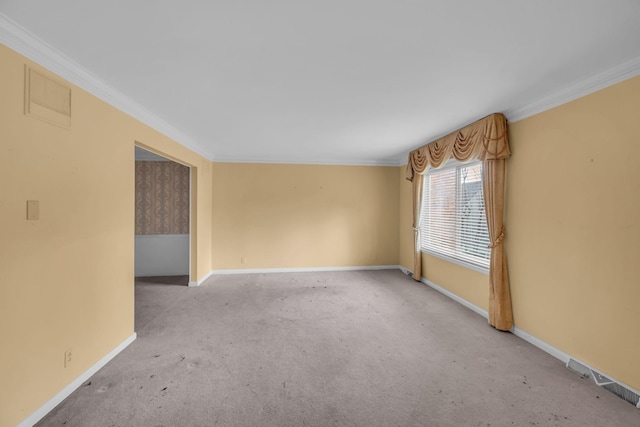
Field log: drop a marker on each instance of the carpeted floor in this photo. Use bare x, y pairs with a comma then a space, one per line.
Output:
365, 348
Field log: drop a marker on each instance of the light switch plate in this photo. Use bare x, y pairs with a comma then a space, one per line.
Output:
33, 210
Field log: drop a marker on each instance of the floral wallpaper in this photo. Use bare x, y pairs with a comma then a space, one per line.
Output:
162, 198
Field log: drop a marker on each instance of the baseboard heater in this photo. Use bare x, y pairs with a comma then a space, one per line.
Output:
620, 390
605, 382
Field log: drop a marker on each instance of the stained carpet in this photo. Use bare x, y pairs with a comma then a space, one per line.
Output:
362, 348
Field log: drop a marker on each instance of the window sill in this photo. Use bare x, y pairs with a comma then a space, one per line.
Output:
459, 262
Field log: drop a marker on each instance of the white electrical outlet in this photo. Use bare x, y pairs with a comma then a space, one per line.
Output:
68, 357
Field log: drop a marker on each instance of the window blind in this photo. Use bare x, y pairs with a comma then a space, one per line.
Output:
452, 221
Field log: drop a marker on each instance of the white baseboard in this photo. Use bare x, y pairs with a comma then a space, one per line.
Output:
548, 348
65, 392
202, 280
536, 342
405, 270
565, 358
456, 298
302, 269
290, 270
450, 294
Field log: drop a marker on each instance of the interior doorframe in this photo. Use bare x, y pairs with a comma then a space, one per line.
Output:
193, 202
193, 236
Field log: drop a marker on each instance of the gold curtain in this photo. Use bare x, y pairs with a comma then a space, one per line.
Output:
417, 204
485, 140
493, 180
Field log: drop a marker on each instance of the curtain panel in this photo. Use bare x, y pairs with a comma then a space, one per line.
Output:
484, 140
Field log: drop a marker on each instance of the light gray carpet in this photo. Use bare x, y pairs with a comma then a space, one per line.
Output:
366, 348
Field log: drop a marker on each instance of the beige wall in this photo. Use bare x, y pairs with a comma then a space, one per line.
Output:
573, 231
66, 280
573, 223
573, 235
285, 216
468, 284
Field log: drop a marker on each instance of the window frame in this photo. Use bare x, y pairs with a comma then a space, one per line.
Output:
482, 264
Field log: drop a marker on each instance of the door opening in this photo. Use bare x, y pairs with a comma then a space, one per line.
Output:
162, 219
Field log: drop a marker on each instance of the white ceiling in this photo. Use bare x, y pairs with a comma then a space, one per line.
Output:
349, 81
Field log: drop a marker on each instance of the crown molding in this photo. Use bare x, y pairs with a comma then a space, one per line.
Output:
617, 74
399, 160
16, 37
25, 43
325, 161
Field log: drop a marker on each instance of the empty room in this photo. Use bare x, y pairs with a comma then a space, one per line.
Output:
355, 213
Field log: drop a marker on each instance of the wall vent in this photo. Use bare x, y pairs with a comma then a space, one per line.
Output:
47, 99
605, 382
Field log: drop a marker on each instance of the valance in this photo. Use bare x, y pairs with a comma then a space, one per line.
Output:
483, 140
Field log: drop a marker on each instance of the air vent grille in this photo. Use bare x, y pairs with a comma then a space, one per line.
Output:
605, 382
47, 99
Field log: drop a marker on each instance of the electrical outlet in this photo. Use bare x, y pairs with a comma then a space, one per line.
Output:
242, 260
68, 357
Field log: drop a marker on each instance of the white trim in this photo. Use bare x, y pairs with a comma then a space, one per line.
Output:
394, 162
65, 392
456, 298
201, 281
617, 74
398, 160
21, 40
25, 43
536, 342
405, 270
564, 357
628, 387
613, 380
301, 270
548, 348
454, 256
193, 270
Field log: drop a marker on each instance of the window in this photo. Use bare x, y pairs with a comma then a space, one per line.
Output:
453, 224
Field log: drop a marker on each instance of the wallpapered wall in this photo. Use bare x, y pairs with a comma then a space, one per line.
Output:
162, 198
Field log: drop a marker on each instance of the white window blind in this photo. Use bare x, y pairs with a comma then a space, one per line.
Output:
453, 224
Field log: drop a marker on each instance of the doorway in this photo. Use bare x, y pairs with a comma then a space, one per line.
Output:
162, 219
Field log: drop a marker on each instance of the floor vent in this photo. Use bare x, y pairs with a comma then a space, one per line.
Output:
605, 382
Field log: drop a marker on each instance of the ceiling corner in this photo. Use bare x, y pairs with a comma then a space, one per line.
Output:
17, 38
